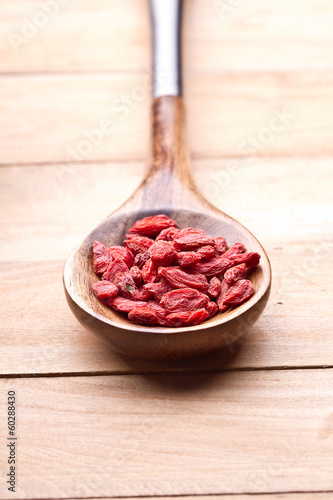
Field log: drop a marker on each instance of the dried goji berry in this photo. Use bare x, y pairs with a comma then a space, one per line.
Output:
238, 293
178, 278
214, 289
143, 294
160, 312
157, 289
220, 245
183, 299
191, 239
213, 267
101, 257
136, 274
188, 258
235, 273
211, 308
236, 249
126, 285
206, 252
143, 316
187, 318
162, 253
118, 252
137, 244
140, 259
168, 234
152, 226
124, 305
104, 290
251, 259
149, 272
115, 267
224, 288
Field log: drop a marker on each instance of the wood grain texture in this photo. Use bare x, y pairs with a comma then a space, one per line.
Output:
106, 117
46, 214
173, 434
88, 68
217, 36
44, 337
46, 210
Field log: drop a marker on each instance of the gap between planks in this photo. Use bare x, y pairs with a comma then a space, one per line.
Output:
161, 372
281, 495
143, 159
144, 70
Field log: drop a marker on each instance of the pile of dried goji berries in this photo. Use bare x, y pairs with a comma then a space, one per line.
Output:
171, 277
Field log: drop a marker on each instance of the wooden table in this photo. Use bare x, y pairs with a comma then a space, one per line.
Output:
253, 422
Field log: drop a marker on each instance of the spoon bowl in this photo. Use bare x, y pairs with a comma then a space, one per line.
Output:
169, 189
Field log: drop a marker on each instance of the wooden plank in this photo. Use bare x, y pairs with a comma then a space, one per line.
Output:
51, 208
248, 432
102, 117
44, 337
218, 35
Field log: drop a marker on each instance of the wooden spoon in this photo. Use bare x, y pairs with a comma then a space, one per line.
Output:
169, 189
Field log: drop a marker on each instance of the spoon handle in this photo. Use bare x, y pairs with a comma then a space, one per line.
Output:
166, 34
169, 173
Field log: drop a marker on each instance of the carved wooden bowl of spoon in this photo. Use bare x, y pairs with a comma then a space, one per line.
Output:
168, 189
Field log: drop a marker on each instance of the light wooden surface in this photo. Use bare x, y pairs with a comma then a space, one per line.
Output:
40, 129
253, 422
171, 435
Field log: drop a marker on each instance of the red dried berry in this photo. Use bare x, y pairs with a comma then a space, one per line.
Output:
143, 316
160, 312
168, 234
206, 252
101, 257
149, 272
115, 267
178, 278
188, 258
224, 288
124, 305
104, 290
236, 249
138, 244
251, 259
216, 266
214, 289
183, 299
140, 259
118, 252
162, 253
136, 274
152, 226
220, 245
157, 289
238, 293
187, 318
126, 285
143, 294
191, 239
211, 309
234, 274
